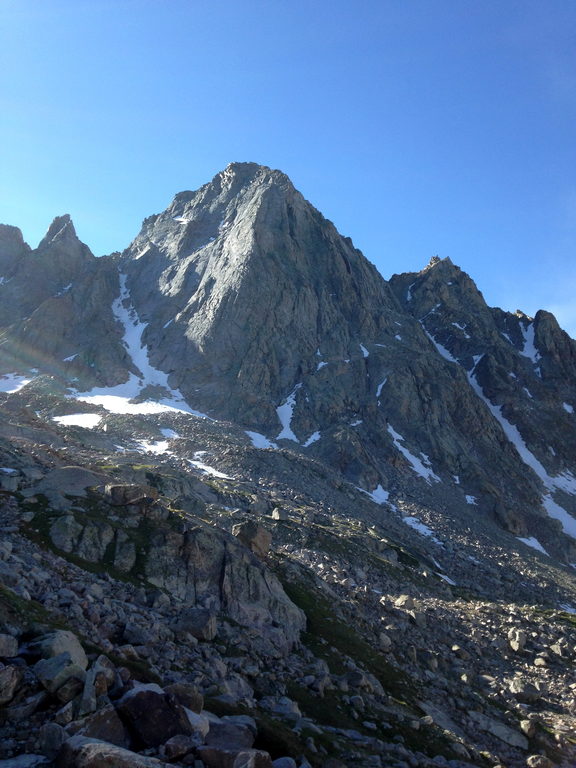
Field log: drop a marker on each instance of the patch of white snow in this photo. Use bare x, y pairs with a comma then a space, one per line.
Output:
534, 543
423, 529
285, 412
13, 382
416, 464
312, 439
378, 495
365, 352
86, 420
259, 441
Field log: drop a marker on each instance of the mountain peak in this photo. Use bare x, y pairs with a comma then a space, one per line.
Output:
61, 229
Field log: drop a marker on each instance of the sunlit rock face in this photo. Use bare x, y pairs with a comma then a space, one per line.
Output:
243, 302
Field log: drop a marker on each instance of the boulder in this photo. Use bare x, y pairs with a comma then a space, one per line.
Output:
123, 495
107, 726
221, 757
8, 646
83, 752
58, 671
57, 642
254, 536
198, 622
228, 734
152, 715
187, 695
10, 679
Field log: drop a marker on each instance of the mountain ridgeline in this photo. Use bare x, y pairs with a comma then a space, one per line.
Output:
257, 312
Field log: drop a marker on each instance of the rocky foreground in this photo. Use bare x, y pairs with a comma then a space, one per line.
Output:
151, 613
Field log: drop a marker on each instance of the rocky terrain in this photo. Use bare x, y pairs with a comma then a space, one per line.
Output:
260, 506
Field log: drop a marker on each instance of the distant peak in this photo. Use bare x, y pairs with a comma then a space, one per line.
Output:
61, 229
436, 261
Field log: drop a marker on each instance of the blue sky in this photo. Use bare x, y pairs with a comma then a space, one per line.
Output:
420, 127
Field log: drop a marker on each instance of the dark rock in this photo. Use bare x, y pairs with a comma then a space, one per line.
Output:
82, 752
152, 715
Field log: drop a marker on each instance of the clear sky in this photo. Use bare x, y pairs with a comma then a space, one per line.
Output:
420, 127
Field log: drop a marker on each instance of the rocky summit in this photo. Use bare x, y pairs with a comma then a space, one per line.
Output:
262, 507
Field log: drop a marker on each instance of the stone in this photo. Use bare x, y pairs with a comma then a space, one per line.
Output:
404, 601
10, 680
106, 725
187, 695
57, 642
152, 715
517, 640
499, 730
221, 757
385, 641
179, 746
539, 761
254, 536
198, 622
8, 646
200, 724
523, 690
83, 752
56, 671
65, 533
51, 737
279, 514
224, 734
123, 495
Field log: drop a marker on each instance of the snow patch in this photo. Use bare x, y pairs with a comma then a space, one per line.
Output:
378, 495
69, 359
380, 386
365, 352
196, 462
529, 350
13, 382
568, 408
416, 464
442, 350
471, 500
169, 433
118, 399
259, 441
534, 543
312, 439
355, 423
423, 529
565, 482
149, 446
321, 365
86, 420
285, 412
463, 329
409, 292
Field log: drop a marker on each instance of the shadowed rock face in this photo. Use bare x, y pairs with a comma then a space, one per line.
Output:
262, 314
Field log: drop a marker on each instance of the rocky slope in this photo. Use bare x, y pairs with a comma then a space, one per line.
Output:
234, 444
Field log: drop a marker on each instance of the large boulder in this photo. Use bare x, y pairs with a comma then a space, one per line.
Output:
152, 715
254, 536
57, 642
83, 752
